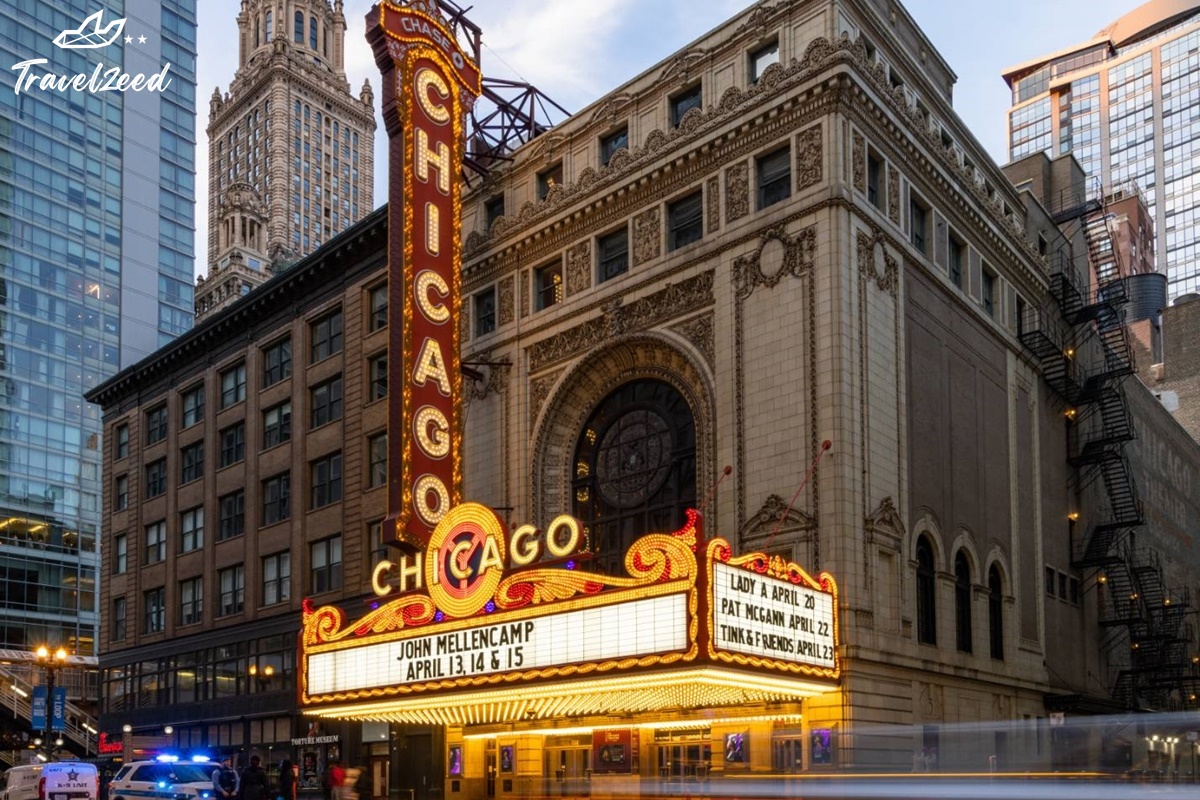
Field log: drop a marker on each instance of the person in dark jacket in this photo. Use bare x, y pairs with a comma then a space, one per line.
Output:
255, 785
287, 780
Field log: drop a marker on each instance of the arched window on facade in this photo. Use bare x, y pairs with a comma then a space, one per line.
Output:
257, 32
268, 26
996, 612
312, 32
299, 34
325, 40
962, 602
926, 593
634, 471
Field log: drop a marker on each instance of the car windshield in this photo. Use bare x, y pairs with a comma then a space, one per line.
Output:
190, 773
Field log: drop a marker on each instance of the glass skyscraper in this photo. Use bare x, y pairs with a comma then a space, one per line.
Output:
97, 192
1127, 104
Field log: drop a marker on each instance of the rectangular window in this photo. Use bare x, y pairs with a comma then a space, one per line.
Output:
232, 581
277, 362
277, 578
989, 292
379, 309
122, 441
377, 459
233, 444
191, 529
119, 611
485, 311
120, 553
156, 478
325, 336
325, 476
156, 425
276, 498
191, 463
493, 209
918, 223
684, 102
762, 58
233, 515
610, 144
155, 616
685, 220
774, 177
548, 178
193, 405
377, 377
121, 493
958, 260
547, 286
612, 252
191, 601
1073, 587
1062, 585
277, 424
326, 402
156, 542
233, 385
874, 174
326, 560
1050, 581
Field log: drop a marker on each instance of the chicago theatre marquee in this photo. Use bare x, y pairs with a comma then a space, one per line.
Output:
683, 660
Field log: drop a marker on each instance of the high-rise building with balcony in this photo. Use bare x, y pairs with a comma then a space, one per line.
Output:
290, 147
1126, 104
96, 252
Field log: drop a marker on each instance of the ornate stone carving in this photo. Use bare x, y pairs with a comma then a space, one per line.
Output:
887, 279
647, 236
646, 312
860, 162
713, 194
474, 243
611, 107
505, 313
884, 525
539, 390
758, 20
798, 254
495, 376
579, 267
809, 158
547, 146
683, 66
523, 291
699, 332
774, 515
893, 190
737, 191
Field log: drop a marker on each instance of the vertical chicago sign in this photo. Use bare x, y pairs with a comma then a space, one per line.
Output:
429, 84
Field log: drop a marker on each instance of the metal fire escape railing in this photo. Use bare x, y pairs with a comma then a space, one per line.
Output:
1080, 340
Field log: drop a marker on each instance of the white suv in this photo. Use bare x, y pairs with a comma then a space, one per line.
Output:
167, 780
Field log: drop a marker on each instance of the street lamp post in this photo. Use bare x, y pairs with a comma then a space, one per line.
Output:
51, 662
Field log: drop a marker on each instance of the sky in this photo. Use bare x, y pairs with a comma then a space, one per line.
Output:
575, 51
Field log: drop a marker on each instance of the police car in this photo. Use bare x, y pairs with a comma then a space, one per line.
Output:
164, 779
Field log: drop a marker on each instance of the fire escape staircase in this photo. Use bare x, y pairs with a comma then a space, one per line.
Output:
1081, 343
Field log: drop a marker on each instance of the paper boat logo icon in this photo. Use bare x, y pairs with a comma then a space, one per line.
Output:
89, 35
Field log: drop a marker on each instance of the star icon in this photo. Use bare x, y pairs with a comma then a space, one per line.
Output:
72, 775
128, 40
141, 40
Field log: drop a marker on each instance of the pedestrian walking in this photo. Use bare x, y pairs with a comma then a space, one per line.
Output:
255, 785
288, 780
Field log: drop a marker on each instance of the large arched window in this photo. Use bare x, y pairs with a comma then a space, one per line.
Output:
312, 32
257, 31
299, 27
962, 601
996, 612
268, 26
634, 469
926, 594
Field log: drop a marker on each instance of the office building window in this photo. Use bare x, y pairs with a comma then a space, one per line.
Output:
377, 375
191, 601
874, 176
277, 424
548, 285
996, 613
325, 477
120, 553
918, 223
377, 460
156, 478
233, 515
762, 58
326, 560
156, 542
276, 498
325, 336
549, 178
962, 602
958, 260
119, 612
123, 441
684, 102
774, 177
379, 308
156, 425
989, 292
277, 578
610, 144
277, 362
493, 209
485, 311
121, 493
193, 405
926, 593
191, 463
326, 402
612, 252
154, 604
232, 581
233, 444
191, 529
233, 385
685, 220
